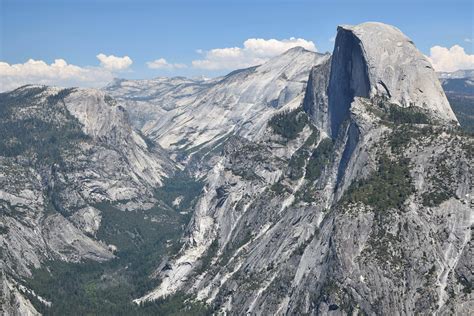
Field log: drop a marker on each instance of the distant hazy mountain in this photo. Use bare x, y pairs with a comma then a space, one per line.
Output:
459, 82
459, 74
459, 88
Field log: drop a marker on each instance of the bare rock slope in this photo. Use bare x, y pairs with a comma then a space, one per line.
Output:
333, 184
186, 115
360, 200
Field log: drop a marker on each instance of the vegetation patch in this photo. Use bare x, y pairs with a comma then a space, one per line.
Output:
384, 246
397, 114
3, 230
442, 188
279, 188
42, 134
182, 187
244, 156
206, 259
233, 246
306, 194
466, 284
289, 124
319, 159
403, 135
144, 239
297, 162
95, 289
387, 188
408, 115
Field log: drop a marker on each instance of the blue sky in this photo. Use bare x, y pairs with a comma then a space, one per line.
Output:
77, 31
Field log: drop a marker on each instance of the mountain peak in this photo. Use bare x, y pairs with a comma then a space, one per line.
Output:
299, 51
294, 58
377, 60
372, 28
296, 50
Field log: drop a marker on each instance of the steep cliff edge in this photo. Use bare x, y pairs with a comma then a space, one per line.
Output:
378, 60
366, 207
323, 185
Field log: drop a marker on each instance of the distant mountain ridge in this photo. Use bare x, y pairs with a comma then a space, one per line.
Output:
460, 82
311, 184
189, 114
459, 88
459, 74
308, 217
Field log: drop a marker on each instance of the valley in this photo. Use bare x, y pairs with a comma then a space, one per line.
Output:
311, 184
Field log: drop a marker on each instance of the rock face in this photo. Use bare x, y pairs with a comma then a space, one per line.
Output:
186, 115
374, 59
316, 99
149, 102
332, 184
63, 151
366, 207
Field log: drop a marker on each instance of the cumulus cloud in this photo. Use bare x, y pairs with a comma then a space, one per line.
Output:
163, 64
255, 51
112, 62
60, 73
450, 59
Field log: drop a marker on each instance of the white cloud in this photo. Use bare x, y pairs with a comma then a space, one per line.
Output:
468, 40
60, 73
255, 51
450, 59
163, 64
114, 63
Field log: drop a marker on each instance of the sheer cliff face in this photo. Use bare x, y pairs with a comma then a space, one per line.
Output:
398, 70
348, 79
373, 60
377, 60
315, 102
345, 214
332, 184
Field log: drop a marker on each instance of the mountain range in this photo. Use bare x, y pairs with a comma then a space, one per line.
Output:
313, 184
